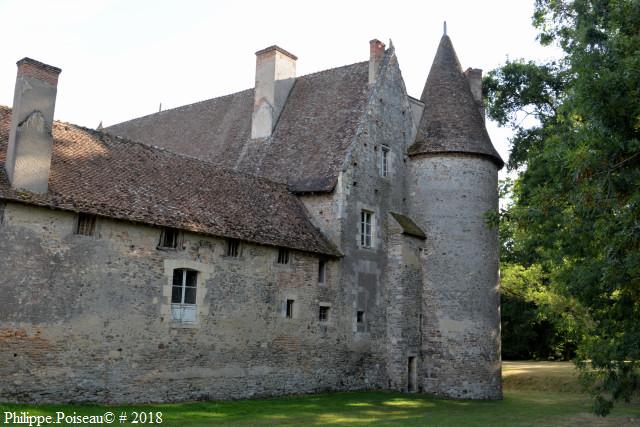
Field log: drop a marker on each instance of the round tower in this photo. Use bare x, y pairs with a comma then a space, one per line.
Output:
453, 184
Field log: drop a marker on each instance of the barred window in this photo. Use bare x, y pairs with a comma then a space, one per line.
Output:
86, 225
233, 248
283, 256
323, 313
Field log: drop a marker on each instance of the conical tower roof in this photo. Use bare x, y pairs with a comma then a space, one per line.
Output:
451, 121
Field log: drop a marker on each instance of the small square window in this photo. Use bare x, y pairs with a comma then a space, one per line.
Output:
289, 309
283, 256
233, 248
169, 238
323, 313
322, 267
366, 222
86, 225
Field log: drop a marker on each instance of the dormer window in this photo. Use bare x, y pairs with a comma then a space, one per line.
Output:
169, 238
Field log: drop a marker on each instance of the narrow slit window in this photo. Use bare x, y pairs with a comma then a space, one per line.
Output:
169, 238
360, 316
366, 219
323, 313
86, 225
233, 248
322, 270
283, 256
384, 161
289, 309
183, 295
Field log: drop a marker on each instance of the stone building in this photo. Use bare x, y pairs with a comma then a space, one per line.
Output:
313, 233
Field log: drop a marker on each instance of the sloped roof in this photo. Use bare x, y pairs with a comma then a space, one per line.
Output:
308, 145
408, 225
451, 121
96, 173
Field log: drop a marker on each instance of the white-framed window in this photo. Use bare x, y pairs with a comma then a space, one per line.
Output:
366, 227
183, 295
384, 161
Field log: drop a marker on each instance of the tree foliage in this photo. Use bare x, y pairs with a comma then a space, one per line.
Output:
576, 146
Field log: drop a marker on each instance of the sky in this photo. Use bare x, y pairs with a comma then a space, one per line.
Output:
121, 58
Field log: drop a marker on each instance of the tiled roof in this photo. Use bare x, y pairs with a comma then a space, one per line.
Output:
94, 172
309, 143
451, 121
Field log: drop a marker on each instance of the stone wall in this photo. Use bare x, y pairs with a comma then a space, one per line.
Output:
86, 318
365, 272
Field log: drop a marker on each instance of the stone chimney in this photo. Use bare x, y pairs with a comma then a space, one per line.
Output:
474, 77
275, 75
30, 139
376, 53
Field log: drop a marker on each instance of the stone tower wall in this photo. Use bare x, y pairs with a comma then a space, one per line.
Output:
450, 195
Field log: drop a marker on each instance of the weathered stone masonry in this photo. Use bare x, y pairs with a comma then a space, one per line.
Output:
288, 166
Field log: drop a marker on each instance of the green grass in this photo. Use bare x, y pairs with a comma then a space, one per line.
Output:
536, 394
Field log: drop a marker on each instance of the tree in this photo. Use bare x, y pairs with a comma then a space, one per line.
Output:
576, 146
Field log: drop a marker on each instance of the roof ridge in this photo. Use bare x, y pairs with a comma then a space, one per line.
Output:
221, 97
230, 94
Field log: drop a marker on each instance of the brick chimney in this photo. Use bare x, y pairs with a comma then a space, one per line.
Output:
30, 139
376, 53
474, 77
275, 74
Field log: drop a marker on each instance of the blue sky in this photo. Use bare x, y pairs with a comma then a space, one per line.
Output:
120, 59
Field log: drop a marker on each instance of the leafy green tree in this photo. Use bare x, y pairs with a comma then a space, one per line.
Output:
576, 146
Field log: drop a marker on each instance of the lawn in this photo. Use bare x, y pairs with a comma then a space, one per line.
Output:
535, 394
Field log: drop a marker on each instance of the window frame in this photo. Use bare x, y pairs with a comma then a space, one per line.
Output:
383, 167
183, 306
177, 238
322, 271
366, 229
289, 308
